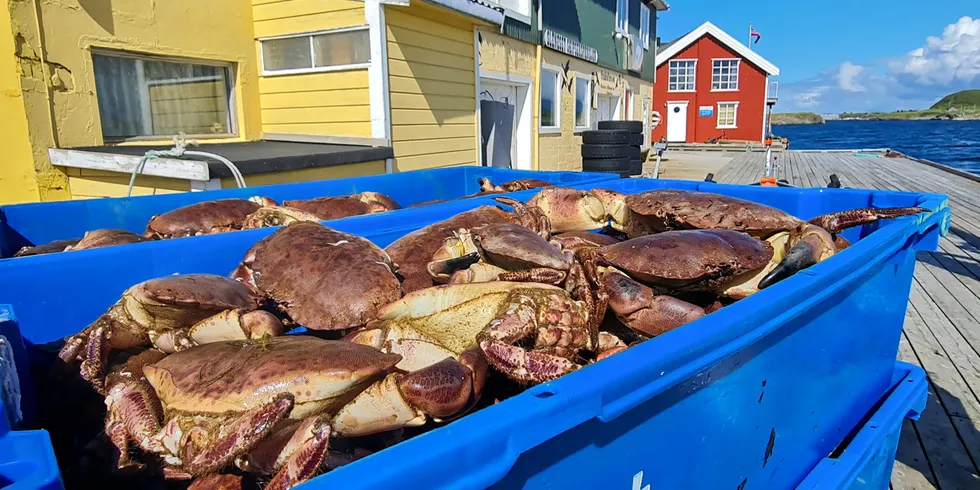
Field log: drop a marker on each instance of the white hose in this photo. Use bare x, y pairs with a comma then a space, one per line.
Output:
178, 151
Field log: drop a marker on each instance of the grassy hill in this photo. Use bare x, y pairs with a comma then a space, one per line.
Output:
964, 99
963, 105
796, 118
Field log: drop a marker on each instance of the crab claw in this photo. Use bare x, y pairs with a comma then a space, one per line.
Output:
642, 310
486, 185
276, 216
835, 223
530, 217
813, 245
263, 201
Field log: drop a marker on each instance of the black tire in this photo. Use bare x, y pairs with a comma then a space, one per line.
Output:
636, 140
606, 137
636, 167
606, 151
615, 165
634, 153
635, 127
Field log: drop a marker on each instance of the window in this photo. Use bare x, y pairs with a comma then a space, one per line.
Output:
727, 115
645, 25
622, 16
522, 7
583, 102
339, 49
724, 75
681, 75
550, 99
149, 97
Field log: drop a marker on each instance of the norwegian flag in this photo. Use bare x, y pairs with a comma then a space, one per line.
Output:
754, 34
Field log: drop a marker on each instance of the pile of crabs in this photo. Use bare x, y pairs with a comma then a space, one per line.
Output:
224, 215
414, 335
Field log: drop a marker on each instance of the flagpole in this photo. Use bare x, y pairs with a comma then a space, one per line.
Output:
750, 36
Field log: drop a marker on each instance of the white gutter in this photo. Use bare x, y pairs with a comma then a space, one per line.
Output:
472, 9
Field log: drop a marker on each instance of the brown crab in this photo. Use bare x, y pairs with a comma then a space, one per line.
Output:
321, 278
452, 320
270, 407
486, 186
171, 313
343, 206
635, 272
267, 216
414, 251
204, 218
93, 239
504, 251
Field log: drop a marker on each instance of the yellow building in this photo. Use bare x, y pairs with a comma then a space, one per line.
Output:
380, 85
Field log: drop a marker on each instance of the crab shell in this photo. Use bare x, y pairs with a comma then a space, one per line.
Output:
204, 218
237, 376
669, 209
106, 238
515, 185
570, 209
48, 248
276, 216
508, 246
414, 251
573, 240
341, 207
690, 259
323, 279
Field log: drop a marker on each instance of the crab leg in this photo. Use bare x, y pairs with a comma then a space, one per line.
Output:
529, 217
835, 223
240, 434
305, 453
540, 275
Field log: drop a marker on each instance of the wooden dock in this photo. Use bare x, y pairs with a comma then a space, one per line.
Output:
942, 325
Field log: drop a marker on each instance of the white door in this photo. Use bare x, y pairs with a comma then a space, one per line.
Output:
498, 124
677, 122
606, 107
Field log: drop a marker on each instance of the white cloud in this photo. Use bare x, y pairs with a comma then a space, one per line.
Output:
847, 77
916, 80
953, 57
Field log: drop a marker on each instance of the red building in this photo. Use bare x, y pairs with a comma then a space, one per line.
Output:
710, 86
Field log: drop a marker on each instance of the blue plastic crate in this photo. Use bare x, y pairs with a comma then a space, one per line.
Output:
26, 457
866, 461
40, 223
759, 392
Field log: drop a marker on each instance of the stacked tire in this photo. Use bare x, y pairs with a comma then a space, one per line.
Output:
614, 148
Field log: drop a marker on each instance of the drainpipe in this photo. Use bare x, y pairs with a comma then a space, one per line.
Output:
44, 72
536, 96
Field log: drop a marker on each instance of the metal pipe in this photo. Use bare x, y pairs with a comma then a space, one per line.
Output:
39, 25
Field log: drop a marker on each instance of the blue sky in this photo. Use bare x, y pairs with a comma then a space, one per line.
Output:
854, 55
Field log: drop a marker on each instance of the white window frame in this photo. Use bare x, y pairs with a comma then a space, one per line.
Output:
231, 81
734, 124
588, 101
557, 71
310, 36
694, 86
645, 25
738, 66
622, 16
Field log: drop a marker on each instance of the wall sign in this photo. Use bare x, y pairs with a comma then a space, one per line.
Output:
706, 111
561, 43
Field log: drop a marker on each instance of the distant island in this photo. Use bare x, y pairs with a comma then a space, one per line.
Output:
797, 118
963, 105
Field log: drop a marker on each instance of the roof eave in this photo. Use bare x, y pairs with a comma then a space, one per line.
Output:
722, 36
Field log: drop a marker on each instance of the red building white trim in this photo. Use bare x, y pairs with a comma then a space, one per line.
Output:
710, 86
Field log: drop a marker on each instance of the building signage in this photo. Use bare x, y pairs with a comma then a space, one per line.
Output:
561, 43
706, 111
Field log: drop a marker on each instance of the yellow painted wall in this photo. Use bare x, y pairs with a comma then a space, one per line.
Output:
18, 182
218, 30
89, 184
502, 54
332, 103
376, 167
563, 151
432, 80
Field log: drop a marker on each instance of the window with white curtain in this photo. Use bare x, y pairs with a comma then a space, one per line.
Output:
340, 49
645, 25
727, 115
143, 96
622, 16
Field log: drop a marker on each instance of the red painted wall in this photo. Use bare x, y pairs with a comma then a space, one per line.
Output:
751, 96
